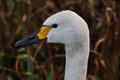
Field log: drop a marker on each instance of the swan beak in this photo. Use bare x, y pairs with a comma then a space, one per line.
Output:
35, 37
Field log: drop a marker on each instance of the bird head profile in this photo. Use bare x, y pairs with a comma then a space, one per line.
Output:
70, 29
64, 27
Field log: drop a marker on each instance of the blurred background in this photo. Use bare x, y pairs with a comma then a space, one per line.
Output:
20, 18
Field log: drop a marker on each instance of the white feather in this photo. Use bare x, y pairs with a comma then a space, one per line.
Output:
72, 31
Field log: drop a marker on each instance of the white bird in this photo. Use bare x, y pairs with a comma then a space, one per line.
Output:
70, 29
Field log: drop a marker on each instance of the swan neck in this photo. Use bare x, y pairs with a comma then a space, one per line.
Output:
76, 62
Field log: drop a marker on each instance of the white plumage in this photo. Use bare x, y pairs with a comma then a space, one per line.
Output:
72, 31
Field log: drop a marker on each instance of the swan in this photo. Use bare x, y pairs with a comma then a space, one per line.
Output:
68, 28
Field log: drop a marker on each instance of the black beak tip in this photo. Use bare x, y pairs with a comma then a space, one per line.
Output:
28, 40
17, 44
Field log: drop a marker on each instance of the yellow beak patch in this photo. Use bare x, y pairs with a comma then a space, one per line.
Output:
43, 32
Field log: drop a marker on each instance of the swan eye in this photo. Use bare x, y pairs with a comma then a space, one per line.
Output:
54, 25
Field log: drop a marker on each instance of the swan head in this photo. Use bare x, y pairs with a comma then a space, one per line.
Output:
64, 27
